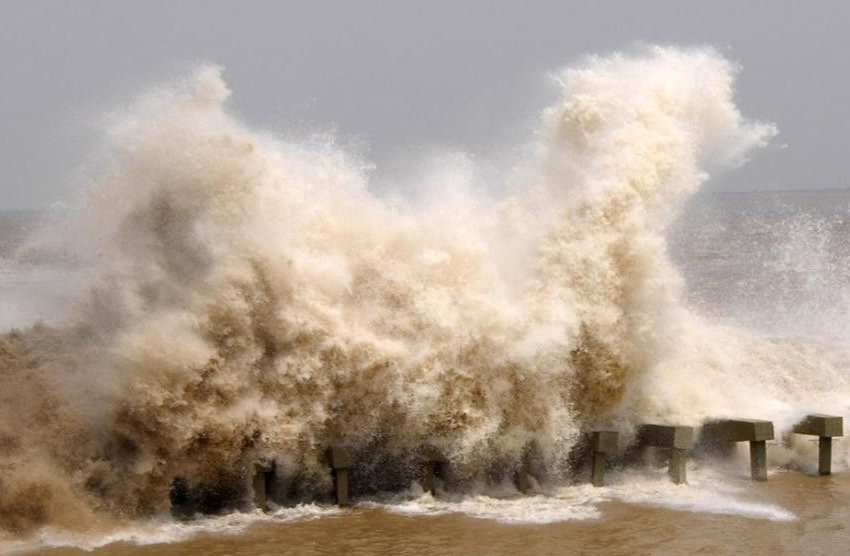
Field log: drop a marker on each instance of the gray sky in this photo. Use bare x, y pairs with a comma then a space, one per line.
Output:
404, 77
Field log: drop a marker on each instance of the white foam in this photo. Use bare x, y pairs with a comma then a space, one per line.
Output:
538, 509
169, 531
708, 492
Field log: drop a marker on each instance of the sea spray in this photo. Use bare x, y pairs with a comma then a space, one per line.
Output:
249, 299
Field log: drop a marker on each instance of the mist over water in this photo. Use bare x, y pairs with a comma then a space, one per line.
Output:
237, 298
774, 262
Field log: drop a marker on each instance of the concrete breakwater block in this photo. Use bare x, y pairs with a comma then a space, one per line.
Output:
603, 445
818, 424
825, 427
341, 459
743, 430
719, 435
666, 436
676, 439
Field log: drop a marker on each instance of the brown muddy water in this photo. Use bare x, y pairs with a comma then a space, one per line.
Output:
819, 525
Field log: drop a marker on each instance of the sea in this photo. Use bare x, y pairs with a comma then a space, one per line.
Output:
219, 297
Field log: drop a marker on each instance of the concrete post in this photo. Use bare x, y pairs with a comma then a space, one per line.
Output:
597, 468
181, 499
524, 473
341, 459
824, 455
434, 467
523, 484
260, 491
429, 478
341, 482
602, 444
263, 475
758, 460
677, 469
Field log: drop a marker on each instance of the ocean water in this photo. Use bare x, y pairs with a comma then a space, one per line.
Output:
773, 262
218, 297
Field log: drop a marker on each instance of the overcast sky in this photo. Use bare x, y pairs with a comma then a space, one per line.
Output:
404, 77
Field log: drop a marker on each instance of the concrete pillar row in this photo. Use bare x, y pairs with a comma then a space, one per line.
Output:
717, 436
